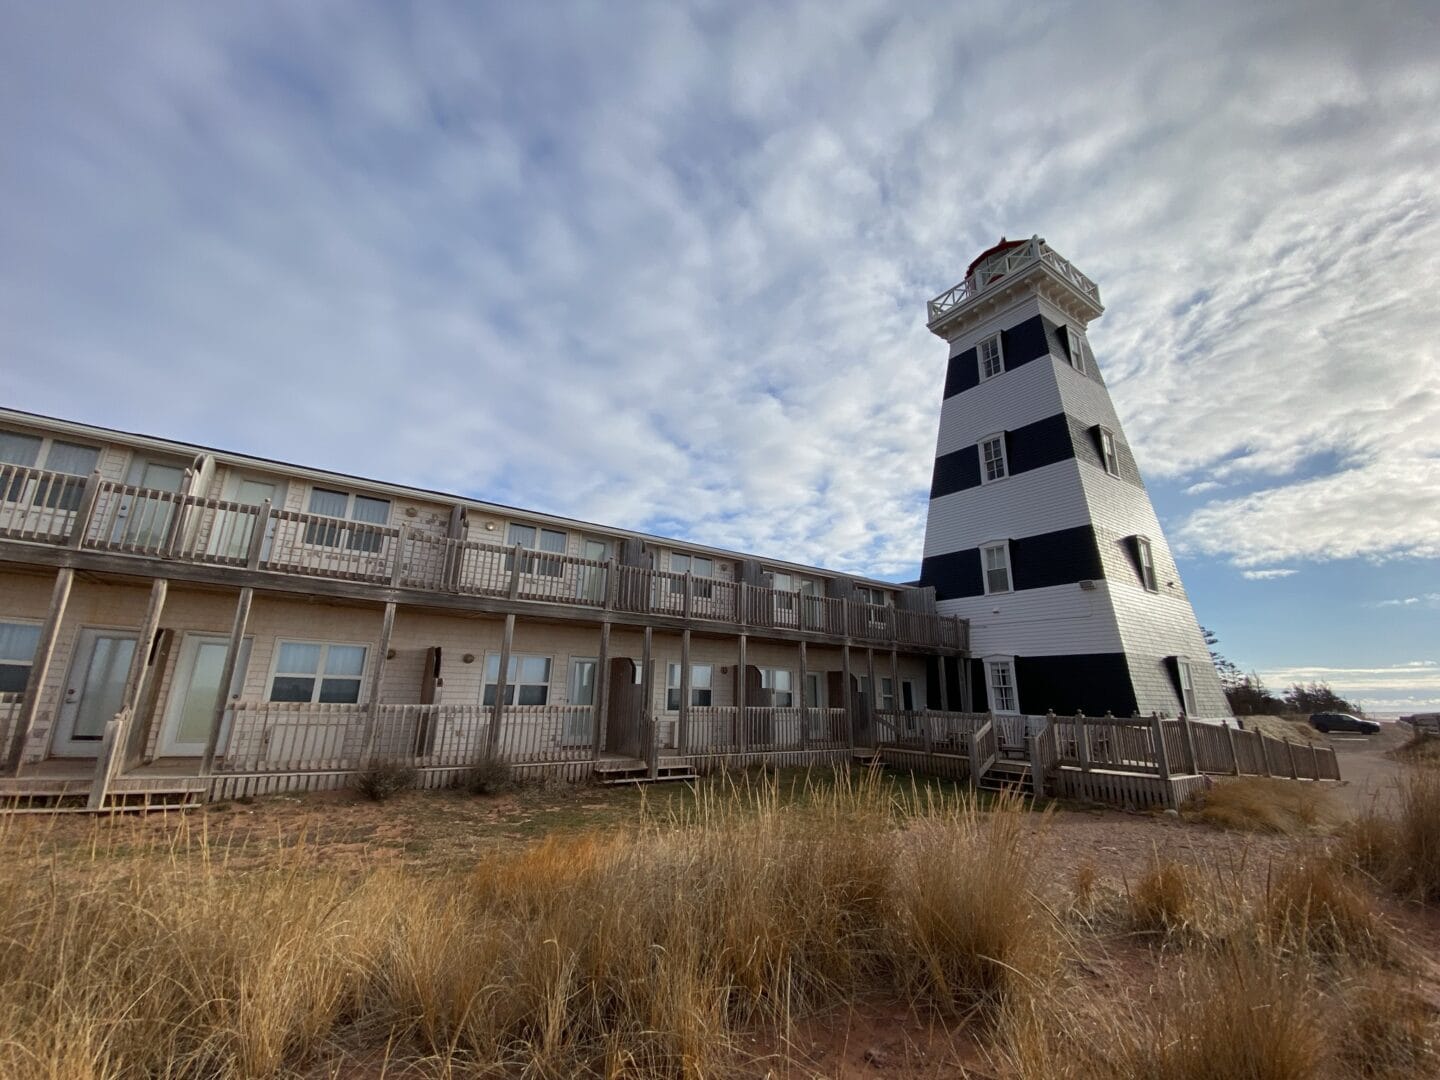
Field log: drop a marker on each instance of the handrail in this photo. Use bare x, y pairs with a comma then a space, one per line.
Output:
126, 519
1004, 264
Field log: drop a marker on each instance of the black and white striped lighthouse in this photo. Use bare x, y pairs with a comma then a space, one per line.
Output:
1040, 530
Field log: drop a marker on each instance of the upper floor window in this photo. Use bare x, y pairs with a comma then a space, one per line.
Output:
527, 679
996, 562
17, 651
869, 594
992, 459
1079, 349
701, 677
342, 504
54, 455
1108, 454
537, 539
316, 671
992, 359
1145, 563
1000, 678
697, 566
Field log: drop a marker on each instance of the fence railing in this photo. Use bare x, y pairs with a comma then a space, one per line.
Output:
1007, 263
104, 515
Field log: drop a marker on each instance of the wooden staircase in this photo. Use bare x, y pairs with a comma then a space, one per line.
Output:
124, 794
1007, 774
615, 772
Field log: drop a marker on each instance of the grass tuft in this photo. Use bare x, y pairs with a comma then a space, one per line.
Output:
1266, 804
379, 782
1402, 850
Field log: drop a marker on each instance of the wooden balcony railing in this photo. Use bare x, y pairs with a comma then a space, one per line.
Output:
103, 515
1007, 264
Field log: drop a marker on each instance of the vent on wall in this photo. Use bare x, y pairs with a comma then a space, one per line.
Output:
1088, 585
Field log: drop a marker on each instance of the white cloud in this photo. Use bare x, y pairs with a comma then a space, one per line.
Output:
668, 268
1266, 575
1427, 600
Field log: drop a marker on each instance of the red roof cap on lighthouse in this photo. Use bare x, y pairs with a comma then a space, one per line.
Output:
1003, 245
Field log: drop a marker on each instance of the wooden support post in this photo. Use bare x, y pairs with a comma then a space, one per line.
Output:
517, 558
1290, 754
140, 663
895, 685
179, 510
81, 525
1234, 750
943, 663
804, 704
648, 745
1189, 741
874, 682
848, 695
682, 734
1162, 755
689, 594
502, 681
397, 556
741, 678
377, 676
1082, 741
39, 668
600, 710
967, 692
1314, 763
227, 676
259, 529
612, 583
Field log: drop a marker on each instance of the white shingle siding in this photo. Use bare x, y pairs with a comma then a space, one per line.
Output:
1060, 620
1029, 503
1006, 402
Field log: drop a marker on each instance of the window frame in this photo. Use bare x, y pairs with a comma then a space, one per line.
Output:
319, 674
1109, 450
672, 689
1078, 349
1012, 686
985, 568
27, 665
64, 495
513, 682
1145, 563
998, 438
545, 562
999, 357
768, 680
702, 584
1185, 676
334, 536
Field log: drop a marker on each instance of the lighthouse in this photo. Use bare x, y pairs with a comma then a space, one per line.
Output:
1040, 530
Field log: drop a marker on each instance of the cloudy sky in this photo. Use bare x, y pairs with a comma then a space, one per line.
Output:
665, 266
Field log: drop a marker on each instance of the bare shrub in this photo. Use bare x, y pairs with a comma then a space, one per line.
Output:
380, 782
1164, 900
490, 777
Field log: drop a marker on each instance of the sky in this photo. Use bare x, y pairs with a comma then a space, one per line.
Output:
664, 266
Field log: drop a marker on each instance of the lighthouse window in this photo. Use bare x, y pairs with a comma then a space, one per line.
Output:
1079, 349
992, 362
992, 458
996, 558
1107, 452
1000, 674
1145, 562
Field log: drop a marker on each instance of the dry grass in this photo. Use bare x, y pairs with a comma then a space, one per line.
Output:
1387, 1031
1266, 804
1422, 748
1402, 851
1165, 900
642, 953
1311, 908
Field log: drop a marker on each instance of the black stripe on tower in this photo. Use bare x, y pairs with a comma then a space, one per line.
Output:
1037, 336
1041, 443
1092, 683
1036, 562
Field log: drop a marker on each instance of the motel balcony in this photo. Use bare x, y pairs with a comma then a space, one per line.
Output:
90, 523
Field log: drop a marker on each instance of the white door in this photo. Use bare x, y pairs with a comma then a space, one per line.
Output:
192, 696
579, 723
230, 534
93, 692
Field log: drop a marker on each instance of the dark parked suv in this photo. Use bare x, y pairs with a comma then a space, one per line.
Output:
1339, 721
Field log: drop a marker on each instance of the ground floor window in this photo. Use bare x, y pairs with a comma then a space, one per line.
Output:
779, 682
17, 650
317, 671
1000, 676
527, 679
701, 677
